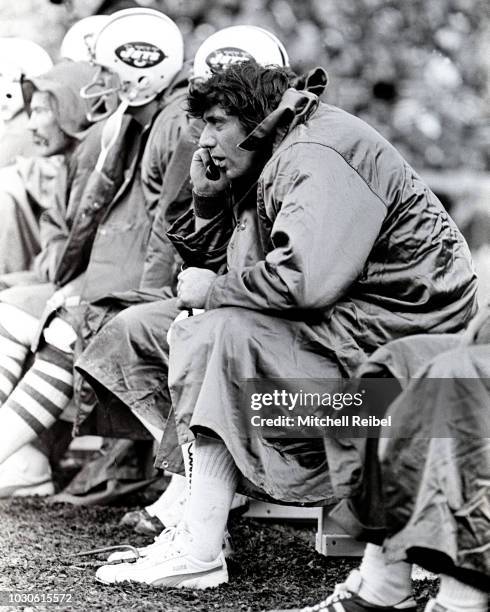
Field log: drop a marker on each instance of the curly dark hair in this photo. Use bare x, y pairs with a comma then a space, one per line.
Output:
246, 90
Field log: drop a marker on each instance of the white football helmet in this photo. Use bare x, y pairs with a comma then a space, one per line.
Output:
238, 44
19, 58
78, 43
139, 52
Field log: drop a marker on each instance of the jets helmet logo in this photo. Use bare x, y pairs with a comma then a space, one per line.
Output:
140, 54
225, 56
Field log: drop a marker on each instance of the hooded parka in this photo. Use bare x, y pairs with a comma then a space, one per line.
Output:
342, 249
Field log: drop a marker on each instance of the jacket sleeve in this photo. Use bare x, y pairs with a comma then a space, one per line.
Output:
204, 247
53, 225
325, 220
162, 142
175, 199
54, 233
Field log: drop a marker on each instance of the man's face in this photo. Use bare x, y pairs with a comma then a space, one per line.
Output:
221, 135
48, 137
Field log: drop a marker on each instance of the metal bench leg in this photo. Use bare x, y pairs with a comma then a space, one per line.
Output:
333, 541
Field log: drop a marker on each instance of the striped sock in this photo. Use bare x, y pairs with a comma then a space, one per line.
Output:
37, 401
12, 357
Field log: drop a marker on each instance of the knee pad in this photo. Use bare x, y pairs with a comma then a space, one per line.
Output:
61, 335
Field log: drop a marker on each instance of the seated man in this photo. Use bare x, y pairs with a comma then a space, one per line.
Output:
35, 171
435, 480
98, 244
134, 342
332, 246
58, 124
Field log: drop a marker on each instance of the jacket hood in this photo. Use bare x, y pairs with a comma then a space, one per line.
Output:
295, 107
315, 81
64, 82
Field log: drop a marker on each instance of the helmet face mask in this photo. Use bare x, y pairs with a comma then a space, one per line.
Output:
101, 94
142, 50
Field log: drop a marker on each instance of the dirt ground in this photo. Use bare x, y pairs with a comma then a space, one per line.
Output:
275, 565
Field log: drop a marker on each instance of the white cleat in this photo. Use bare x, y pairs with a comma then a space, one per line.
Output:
168, 565
26, 472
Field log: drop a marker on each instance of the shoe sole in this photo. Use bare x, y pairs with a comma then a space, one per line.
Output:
196, 581
200, 581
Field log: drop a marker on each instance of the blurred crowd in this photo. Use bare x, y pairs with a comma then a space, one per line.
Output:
418, 71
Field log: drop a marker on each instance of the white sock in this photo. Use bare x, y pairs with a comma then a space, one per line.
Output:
459, 597
188, 450
214, 481
188, 454
383, 584
165, 507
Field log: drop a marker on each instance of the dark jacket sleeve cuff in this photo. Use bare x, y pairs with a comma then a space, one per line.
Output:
206, 207
205, 247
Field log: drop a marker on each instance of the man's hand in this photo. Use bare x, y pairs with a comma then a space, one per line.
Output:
201, 183
193, 286
68, 295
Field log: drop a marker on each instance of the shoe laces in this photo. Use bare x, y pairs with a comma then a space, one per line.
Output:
331, 599
342, 591
158, 540
170, 543
166, 534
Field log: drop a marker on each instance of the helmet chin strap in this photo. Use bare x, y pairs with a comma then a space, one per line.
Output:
110, 132
112, 126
